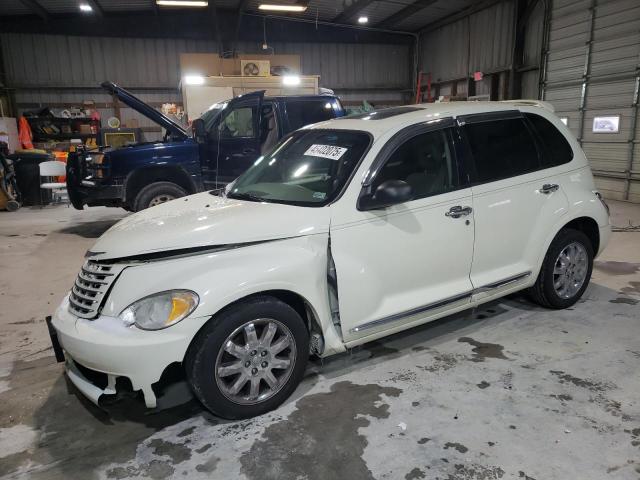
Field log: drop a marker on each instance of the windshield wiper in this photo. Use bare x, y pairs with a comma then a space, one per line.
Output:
246, 196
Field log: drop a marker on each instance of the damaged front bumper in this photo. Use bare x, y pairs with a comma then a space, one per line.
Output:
110, 349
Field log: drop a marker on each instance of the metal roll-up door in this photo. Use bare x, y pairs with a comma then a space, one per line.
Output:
591, 73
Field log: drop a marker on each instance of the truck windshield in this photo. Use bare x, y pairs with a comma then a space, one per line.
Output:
308, 168
210, 115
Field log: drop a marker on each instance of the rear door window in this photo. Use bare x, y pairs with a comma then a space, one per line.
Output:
556, 148
305, 112
501, 149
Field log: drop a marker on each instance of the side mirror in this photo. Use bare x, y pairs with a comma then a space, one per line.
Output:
388, 193
199, 131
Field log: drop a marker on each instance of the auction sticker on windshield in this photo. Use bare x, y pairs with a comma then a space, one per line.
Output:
325, 151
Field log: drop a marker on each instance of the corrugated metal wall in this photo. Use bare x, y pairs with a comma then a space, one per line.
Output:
57, 69
66, 61
480, 42
593, 69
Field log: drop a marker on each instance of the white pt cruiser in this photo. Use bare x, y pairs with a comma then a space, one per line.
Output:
346, 231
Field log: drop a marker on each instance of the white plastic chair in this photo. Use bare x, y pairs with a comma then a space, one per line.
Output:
52, 169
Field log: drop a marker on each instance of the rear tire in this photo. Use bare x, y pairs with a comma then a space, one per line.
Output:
157, 193
566, 270
241, 347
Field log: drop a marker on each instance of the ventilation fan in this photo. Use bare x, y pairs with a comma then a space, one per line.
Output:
255, 68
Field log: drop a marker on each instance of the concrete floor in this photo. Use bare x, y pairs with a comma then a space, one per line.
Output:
507, 391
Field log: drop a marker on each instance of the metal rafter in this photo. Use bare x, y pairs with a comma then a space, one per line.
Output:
348, 13
405, 13
36, 8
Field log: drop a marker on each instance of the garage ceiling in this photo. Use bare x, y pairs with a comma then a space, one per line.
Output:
399, 15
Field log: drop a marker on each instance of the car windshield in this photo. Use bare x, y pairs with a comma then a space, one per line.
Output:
309, 168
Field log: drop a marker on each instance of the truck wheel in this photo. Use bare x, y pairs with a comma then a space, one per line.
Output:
157, 193
249, 358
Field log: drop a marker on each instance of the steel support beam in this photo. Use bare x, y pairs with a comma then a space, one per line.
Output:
522, 13
213, 12
36, 8
405, 13
351, 11
241, 8
586, 71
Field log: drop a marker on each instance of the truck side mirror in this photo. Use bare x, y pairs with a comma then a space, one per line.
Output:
199, 131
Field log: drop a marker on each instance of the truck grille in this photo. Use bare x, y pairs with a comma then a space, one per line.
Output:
91, 287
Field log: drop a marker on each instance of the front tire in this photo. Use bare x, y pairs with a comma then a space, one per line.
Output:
248, 359
157, 193
566, 270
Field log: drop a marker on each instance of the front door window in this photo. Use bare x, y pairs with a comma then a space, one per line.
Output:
239, 123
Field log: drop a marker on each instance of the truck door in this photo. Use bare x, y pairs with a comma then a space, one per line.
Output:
233, 142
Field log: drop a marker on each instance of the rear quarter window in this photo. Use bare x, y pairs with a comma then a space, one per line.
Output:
556, 148
306, 112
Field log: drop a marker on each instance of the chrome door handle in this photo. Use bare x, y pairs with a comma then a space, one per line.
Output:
549, 187
458, 211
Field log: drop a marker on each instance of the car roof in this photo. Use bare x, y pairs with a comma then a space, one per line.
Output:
381, 121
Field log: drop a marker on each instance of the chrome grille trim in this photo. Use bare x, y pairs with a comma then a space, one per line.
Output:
91, 287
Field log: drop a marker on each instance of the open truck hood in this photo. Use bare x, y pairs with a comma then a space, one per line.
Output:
147, 110
204, 222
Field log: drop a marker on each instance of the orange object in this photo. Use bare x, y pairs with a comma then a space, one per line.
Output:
24, 134
61, 157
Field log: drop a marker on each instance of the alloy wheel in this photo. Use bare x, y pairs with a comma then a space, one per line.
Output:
255, 361
570, 270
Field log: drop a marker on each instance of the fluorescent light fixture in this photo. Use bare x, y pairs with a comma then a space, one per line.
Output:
85, 8
363, 19
282, 8
291, 80
182, 3
194, 80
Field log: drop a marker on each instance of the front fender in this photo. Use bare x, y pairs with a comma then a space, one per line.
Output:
298, 265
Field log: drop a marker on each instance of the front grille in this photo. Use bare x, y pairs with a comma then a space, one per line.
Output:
91, 287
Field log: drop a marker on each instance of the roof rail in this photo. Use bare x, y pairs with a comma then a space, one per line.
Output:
531, 103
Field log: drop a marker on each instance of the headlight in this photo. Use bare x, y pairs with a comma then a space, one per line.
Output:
160, 310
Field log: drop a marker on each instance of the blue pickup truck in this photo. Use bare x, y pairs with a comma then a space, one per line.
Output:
223, 143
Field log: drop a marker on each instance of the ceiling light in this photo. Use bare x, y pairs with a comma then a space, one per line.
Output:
182, 3
282, 8
363, 19
85, 8
194, 79
291, 80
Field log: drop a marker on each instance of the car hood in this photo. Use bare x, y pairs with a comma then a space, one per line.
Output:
204, 221
145, 109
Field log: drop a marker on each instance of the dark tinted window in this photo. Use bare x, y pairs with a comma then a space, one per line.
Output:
557, 150
502, 149
306, 112
425, 162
